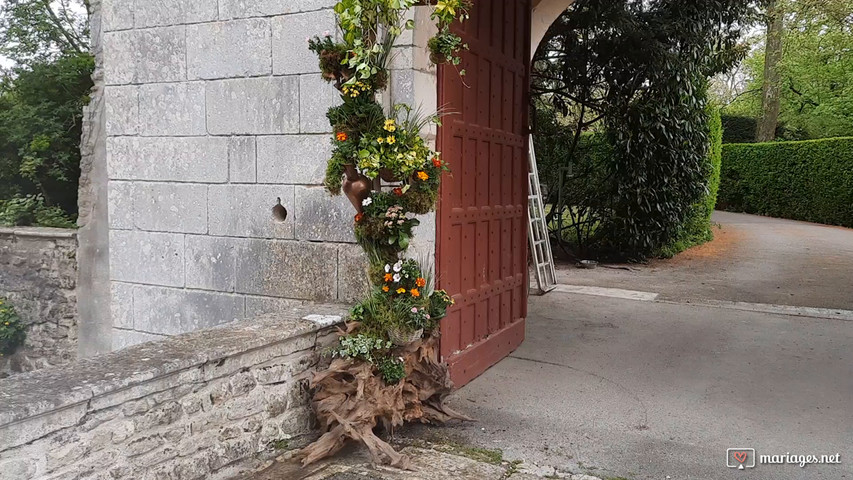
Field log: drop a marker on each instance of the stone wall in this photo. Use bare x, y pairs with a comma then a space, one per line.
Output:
215, 112
38, 274
205, 405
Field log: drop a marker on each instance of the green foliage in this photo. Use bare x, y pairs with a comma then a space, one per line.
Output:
12, 330
31, 210
393, 370
739, 129
35, 31
816, 71
808, 180
362, 346
41, 109
696, 229
640, 69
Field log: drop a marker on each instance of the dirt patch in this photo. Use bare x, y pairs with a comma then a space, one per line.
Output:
726, 242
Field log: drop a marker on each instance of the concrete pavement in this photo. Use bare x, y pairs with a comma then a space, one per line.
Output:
647, 390
753, 259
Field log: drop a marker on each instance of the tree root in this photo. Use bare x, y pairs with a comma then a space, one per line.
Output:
350, 401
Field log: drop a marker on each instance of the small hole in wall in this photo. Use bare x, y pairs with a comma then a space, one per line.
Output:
279, 213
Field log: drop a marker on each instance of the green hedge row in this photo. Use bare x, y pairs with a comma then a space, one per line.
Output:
810, 180
696, 228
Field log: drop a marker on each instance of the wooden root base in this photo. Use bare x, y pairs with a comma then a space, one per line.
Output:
350, 402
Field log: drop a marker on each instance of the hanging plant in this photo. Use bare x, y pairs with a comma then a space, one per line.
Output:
388, 356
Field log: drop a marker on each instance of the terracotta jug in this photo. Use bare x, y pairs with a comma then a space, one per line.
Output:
356, 187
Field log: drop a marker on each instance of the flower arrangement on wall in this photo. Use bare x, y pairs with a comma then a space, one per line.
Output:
12, 330
387, 359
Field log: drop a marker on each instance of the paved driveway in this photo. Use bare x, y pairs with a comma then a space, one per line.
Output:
660, 389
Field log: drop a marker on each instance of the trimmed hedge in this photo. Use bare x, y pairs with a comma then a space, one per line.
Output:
810, 180
696, 228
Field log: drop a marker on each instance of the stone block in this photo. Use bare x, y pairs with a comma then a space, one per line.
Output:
172, 109
293, 159
120, 57
157, 13
121, 301
212, 262
253, 106
290, 54
246, 211
316, 98
239, 48
297, 270
352, 274
121, 110
170, 311
161, 55
403, 87
170, 207
120, 204
266, 8
147, 257
117, 15
242, 160
168, 159
257, 306
321, 217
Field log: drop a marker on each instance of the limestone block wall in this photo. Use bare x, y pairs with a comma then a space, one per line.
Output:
38, 275
208, 405
215, 112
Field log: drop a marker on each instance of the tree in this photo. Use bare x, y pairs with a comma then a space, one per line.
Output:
770, 97
41, 107
815, 72
638, 72
39, 30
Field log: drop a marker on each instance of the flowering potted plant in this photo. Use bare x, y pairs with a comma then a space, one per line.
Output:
12, 332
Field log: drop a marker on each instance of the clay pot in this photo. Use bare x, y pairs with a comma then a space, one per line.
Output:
387, 175
437, 58
356, 187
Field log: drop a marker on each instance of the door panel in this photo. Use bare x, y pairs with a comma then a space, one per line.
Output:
482, 214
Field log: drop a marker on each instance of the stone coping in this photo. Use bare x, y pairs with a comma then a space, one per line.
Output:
41, 232
32, 394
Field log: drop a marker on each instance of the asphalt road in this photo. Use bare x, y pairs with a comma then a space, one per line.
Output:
660, 389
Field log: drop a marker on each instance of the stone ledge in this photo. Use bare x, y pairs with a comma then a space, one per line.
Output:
42, 392
39, 232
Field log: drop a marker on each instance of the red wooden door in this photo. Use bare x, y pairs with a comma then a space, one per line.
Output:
482, 214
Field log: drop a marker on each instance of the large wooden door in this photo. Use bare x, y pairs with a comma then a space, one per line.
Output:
482, 215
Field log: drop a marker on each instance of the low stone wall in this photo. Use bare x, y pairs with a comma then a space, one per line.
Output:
199, 405
38, 274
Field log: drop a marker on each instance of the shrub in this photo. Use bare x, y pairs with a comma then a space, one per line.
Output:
696, 229
809, 180
12, 332
737, 129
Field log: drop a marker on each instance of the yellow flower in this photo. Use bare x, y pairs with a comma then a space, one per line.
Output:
7, 324
391, 140
390, 125
380, 140
423, 176
401, 290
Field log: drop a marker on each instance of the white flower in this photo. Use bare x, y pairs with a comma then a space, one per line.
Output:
398, 266
397, 278
367, 201
414, 309
387, 268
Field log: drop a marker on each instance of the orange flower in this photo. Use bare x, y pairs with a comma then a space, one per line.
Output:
398, 191
401, 290
436, 162
415, 293
385, 289
342, 136
389, 277
359, 217
423, 176
421, 282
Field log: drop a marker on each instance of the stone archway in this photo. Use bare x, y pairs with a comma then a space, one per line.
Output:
545, 12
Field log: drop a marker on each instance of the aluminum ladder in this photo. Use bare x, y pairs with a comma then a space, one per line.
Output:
540, 242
